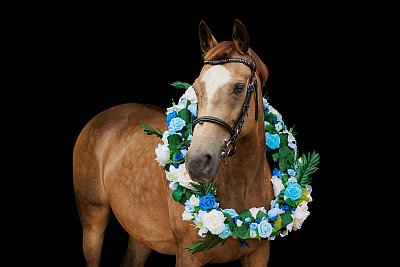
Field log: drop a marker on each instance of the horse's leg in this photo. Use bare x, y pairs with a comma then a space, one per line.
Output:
94, 222
136, 254
259, 257
185, 259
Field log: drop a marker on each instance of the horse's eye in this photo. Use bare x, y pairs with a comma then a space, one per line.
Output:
238, 88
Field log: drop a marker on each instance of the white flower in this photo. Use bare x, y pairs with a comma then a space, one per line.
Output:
195, 201
184, 178
309, 189
190, 95
198, 221
173, 185
202, 232
214, 221
239, 222
275, 112
253, 234
254, 211
176, 108
290, 226
193, 109
300, 214
292, 180
278, 126
275, 212
165, 138
291, 141
277, 185
187, 216
163, 154
172, 174
284, 233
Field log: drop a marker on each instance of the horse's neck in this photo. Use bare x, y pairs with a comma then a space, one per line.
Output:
244, 182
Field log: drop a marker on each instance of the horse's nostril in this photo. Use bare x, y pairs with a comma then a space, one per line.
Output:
208, 158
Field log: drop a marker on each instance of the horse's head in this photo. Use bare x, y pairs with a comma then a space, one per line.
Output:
228, 88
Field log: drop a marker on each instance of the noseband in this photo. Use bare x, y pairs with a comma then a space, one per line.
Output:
230, 145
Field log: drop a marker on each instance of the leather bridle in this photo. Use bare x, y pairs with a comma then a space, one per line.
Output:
230, 145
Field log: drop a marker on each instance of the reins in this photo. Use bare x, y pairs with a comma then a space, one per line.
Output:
230, 145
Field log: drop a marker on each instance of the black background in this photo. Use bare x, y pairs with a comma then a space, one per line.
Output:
324, 71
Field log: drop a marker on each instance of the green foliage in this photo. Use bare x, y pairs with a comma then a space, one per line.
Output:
185, 115
202, 189
286, 158
286, 218
260, 215
245, 214
148, 130
242, 231
308, 166
205, 243
175, 143
180, 85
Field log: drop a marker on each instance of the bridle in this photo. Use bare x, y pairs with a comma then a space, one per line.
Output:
230, 145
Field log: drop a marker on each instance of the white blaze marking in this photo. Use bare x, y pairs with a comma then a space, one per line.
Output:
214, 78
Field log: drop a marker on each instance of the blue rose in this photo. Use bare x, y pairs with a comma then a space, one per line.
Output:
253, 226
225, 233
291, 172
193, 109
293, 191
272, 140
188, 206
264, 229
277, 172
231, 212
178, 156
175, 125
170, 116
207, 202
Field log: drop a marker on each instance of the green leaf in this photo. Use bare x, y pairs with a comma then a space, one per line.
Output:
283, 139
175, 143
187, 131
275, 155
205, 243
245, 214
304, 196
180, 85
286, 158
291, 202
185, 115
261, 214
286, 218
308, 166
242, 231
278, 223
149, 131
177, 193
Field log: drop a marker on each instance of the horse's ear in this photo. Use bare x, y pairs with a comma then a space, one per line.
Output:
207, 40
240, 37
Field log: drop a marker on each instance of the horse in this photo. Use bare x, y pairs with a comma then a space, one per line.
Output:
115, 171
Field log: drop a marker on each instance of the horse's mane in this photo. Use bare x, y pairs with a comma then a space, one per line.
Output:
226, 49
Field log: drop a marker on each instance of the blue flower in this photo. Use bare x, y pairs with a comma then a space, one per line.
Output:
264, 229
193, 109
231, 213
253, 226
247, 220
170, 116
293, 191
265, 103
175, 125
188, 206
244, 244
178, 156
277, 172
291, 172
272, 140
207, 202
285, 207
258, 221
225, 233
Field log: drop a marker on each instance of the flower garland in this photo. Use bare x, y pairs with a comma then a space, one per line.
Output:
291, 177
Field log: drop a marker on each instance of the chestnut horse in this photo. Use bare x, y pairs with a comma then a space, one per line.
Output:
115, 170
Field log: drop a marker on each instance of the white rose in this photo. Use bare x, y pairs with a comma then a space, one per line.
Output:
214, 221
190, 95
187, 216
309, 189
275, 112
278, 126
165, 138
195, 201
163, 154
254, 211
277, 185
300, 214
184, 178
172, 175
292, 180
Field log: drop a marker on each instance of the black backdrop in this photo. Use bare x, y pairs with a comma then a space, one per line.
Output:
97, 57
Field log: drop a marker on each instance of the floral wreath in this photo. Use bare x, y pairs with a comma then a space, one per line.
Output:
291, 177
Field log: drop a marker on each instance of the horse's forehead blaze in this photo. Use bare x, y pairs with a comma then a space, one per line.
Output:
215, 78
